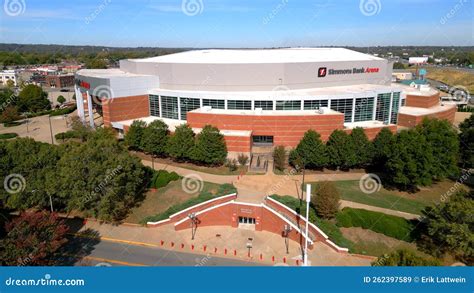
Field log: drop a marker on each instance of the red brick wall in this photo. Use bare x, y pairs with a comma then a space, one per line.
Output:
238, 143
422, 101
119, 109
412, 120
286, 130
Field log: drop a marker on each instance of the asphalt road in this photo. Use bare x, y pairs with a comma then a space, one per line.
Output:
106, 253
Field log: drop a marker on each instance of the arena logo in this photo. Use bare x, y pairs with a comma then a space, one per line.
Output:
83, 84
323, 71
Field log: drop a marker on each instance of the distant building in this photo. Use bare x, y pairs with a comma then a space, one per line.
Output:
59, 80
402, 75
6, 75
417, 60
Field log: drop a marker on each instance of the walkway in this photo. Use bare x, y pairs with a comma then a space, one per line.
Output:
356, 205
222, 241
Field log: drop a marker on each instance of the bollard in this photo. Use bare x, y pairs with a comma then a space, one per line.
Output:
215, 249
273, 258
235, 252
261, 256
248, 254
172, 244
204, 248
225, 251
162, 242
284, 260
182, 245
192, 246
297, 262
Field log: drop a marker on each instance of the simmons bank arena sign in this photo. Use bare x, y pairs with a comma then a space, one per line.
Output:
323, 71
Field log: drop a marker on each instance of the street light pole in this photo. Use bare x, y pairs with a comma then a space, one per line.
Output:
192, 217
286, 230
308, 199
51, 129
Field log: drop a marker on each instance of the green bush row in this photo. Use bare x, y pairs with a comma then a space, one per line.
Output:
67, 135
389, 225
63, 111
224, 189
8, 135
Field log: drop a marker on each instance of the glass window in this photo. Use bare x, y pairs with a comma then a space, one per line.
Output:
315, 104
239, 105
154, 105
265, 105
288, 105
383, 107
344, 106
215, 104
169, 107
188, 104
395, 106
364, 109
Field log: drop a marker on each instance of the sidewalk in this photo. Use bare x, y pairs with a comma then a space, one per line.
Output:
267, 248
356, 205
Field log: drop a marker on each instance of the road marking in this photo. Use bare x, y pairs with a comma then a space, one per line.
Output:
117, 240
119, 262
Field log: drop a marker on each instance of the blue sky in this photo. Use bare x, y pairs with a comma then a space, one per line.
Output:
232, 23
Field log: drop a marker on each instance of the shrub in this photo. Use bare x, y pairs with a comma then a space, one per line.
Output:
11, 124
67, 135
279, 157
405, 257
64, 111
231, 164
210, 147
161, 178
310, 151
326, 199
8, 135
389, 225
243, 159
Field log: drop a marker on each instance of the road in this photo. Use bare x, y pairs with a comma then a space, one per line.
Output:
106, 253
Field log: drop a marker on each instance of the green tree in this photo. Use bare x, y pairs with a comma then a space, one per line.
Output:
181, 143
448, 227
279, 158
155, 138
96, 63
61, 99
404, 257
210, 147
444, 144
382, 146
311, 151
9, 114
111, 182
134, 135
82, 131
362, 147
410, 162
32, 98
398, 65
326, 199
33, 239
466, 138
340, 150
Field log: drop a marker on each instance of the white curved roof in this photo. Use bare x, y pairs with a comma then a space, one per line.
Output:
287, 55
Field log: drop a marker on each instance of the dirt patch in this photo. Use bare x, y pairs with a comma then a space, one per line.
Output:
372, 243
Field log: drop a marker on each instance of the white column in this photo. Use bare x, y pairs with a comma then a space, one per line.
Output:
353, 109
80, 104
89, 109
374, 115
159, 106
390, 109
308, 199
179, 108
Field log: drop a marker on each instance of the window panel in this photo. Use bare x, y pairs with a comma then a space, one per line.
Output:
395, 108
315, 104
344, 106
169, 107
364, 109
288, 105
239, 105
154, 105
265, 105
188, 104
383, 107
215, 104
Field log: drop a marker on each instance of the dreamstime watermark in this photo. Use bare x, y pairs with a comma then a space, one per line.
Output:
47, 280
370, 183
370, 7
11, 99
266, 20
14, 7
462, 179
100, 187
91, 17
192, 183
451, 13
102, 95
103, 264
461, 93
288, 175
24, 261
200, 262
192, 7
14, 183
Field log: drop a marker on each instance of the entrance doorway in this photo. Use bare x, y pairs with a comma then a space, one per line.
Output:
262, 140
247, 223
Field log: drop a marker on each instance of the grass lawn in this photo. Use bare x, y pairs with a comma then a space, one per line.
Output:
393, 199
160, 200
452, 77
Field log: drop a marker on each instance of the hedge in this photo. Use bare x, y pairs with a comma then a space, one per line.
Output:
161, 178
330, 229
66, 135
11, 124
8, 135
224, 189
389, 225
63, 111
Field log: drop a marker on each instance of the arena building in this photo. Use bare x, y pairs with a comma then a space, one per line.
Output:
257, 98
